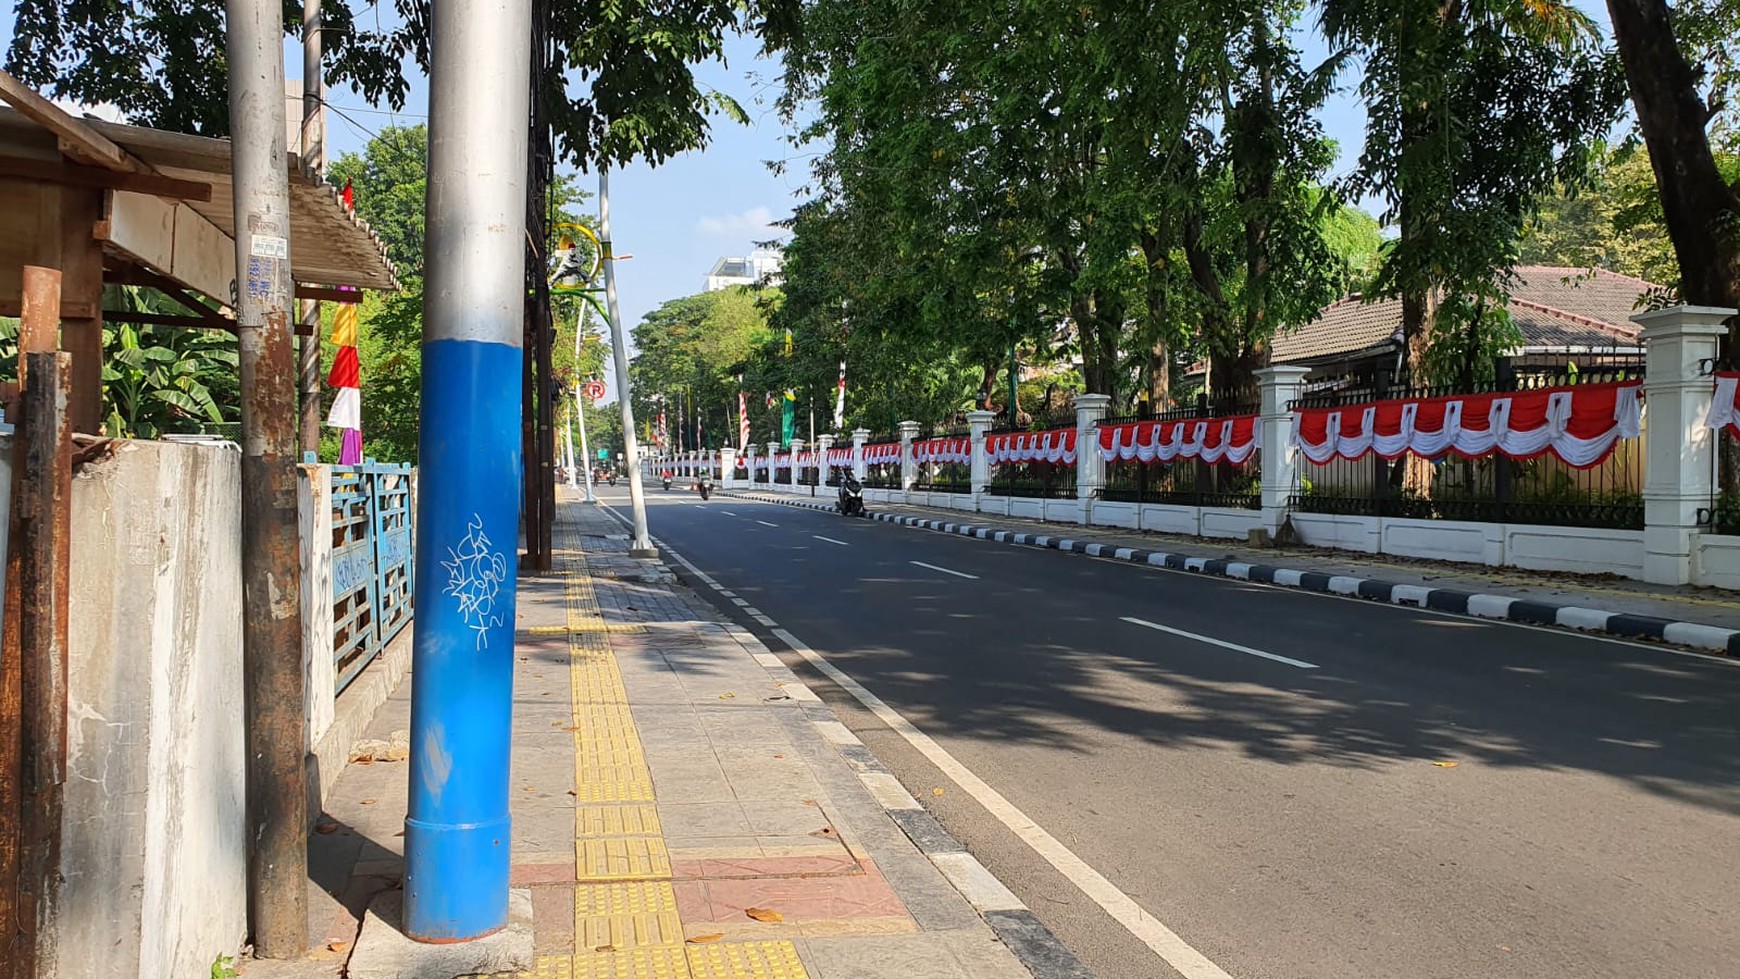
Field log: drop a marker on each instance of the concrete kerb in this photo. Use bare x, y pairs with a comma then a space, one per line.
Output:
1015, 925
1449, 600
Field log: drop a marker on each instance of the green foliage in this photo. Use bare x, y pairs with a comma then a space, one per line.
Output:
224, 967
692, 352
633, 95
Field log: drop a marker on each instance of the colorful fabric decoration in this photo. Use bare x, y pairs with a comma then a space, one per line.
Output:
1056, 446
1231, 440
346, 380
1578, 423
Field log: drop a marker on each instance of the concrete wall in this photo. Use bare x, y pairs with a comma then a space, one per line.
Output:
1716, 561
154, 844
1583, 550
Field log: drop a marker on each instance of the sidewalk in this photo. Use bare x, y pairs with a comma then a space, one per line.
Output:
683, 806
1700, 617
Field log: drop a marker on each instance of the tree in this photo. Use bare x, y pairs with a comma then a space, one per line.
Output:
1477, 109
161, 62
1700, 206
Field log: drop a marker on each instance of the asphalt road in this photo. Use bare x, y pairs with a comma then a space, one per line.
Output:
1337, 789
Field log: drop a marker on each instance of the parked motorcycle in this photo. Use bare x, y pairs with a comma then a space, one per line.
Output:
851, 499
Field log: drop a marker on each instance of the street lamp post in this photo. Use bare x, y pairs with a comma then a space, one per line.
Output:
641, 544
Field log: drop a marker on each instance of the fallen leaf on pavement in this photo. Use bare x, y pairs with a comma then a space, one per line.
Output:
368, 802
1445, 764
605, 948
936, 792
764, 914
704, 939
326, 825
337, 946
727, 695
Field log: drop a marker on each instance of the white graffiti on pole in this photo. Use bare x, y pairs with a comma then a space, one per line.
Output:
475, 574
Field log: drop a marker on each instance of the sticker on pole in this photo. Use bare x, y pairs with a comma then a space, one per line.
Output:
269, 246
594, 390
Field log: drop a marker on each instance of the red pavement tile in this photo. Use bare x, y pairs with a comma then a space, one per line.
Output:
829, 866
804, 898
527, 874
692, 900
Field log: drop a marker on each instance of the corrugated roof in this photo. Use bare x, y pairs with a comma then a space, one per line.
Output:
1553, 307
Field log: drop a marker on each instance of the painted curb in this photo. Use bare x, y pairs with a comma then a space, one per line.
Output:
1449, 600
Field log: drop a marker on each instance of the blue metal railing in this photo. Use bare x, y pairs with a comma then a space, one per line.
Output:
371, 562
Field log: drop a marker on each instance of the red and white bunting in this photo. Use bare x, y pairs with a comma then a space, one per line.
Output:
1578, 423
1056, 446
943, 450
1231, 440
839, 457
1725, 405
882, 454
782, 461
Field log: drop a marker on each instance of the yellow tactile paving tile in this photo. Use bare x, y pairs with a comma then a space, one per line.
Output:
625, 915
745, 960
622, 858
639, 790
612, 752
631, 820
653, 962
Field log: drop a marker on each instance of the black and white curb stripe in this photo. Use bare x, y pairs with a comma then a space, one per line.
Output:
1450, 600
1042, 952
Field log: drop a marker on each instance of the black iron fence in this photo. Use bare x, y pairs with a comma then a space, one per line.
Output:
1189, 482
882, 475
761, 475
943, 477
1047, 480
1494, 488
782, 476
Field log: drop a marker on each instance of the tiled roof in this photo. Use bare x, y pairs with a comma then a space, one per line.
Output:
1553, 307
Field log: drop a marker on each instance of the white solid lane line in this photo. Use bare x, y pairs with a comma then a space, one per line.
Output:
766, 524
831, 540
1222, 643
958, 574
1123, 909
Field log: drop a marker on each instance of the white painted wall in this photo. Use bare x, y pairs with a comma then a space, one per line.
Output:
1716, 561
1584, 550
154, 849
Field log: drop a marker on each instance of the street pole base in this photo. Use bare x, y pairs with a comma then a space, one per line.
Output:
643, 549
383, 951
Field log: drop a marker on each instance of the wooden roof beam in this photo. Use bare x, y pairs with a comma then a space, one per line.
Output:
76, 139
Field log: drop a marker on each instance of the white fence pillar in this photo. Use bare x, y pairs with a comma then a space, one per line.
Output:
824, 445
859, 437
727, 467
1280, 386
1090, 466
772, 462
749, 466
797, 448
908, 473
1680, 451
978, 426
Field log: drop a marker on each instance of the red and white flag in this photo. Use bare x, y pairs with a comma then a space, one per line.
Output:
743, 420
840, 400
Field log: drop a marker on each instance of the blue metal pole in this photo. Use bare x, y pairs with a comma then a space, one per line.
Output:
457, 831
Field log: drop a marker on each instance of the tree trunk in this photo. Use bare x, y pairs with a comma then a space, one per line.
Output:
1702, 211
1159, 390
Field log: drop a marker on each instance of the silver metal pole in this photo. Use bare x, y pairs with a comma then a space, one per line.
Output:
277, 804
641, 545
568, 461
580, 409
470, 472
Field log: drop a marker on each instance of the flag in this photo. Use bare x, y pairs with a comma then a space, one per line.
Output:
346, 379
788, 341
770, 399
840, 400
743, 420
787, 417
662, 433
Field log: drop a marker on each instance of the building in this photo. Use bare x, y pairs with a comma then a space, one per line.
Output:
760, 267
1563, 314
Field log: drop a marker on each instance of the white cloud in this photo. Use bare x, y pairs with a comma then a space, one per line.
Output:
755, 224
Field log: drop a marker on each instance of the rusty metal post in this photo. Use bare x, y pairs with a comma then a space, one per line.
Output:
21, 659
44, 542
271, 555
